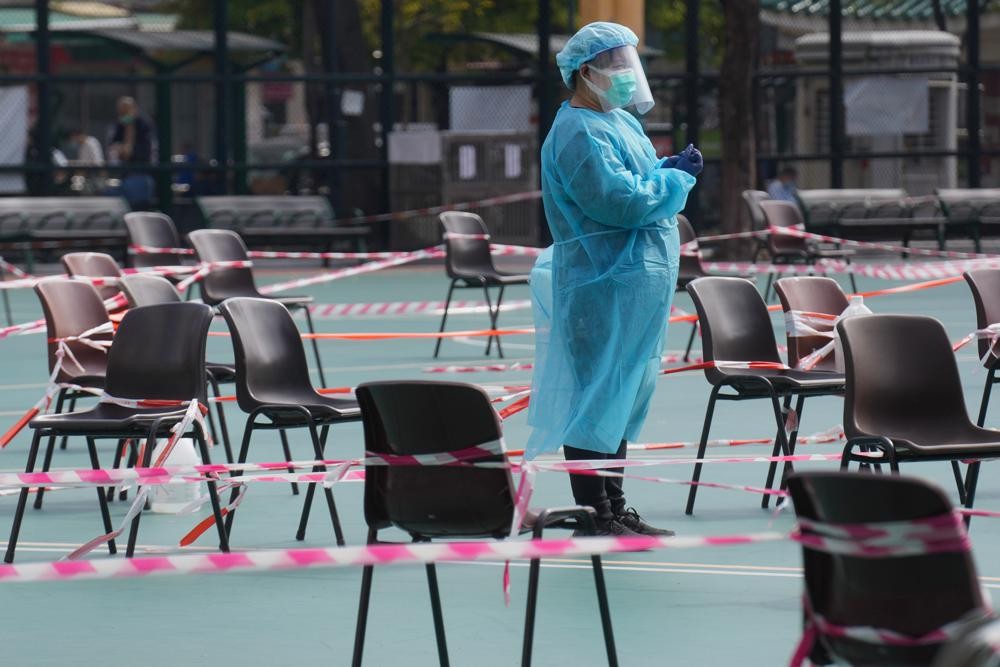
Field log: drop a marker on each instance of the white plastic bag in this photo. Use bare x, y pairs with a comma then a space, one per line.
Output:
856, 306
172, 498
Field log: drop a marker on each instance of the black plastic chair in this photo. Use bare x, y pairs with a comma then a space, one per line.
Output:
223, 245
786, 249
72, 308
469, 265
904, 398
272, 381
94, 265
159, 353
985, 286
735, 326
432, 502
752, 200
148, 290
690, 269
154, 230
910, 595
815, 295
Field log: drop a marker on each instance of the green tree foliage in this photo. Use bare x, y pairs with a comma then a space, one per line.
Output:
665, 28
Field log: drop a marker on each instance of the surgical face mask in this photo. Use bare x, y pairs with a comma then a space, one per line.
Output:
126, 118
622, 88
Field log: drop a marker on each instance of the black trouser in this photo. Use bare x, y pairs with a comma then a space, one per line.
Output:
604, 494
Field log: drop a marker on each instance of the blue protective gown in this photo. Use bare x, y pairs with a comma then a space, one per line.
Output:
612, 208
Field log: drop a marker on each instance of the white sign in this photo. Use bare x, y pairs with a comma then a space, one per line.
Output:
887, 106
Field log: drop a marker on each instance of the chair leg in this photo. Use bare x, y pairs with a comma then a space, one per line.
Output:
971, 479
116, 464
687, 350
494, 318
213, 494
489, 309
956, 470
984, 405
244, 448
529, 613
319, 447
147, 457
602, 603
72, 407
444, 318
223, 427
288, 457
101, 496
793, 437
693, 491
432, 584
133, 460
775, 450
46, 464
363, 602
22, 500
315, 346
767, 289
6, 307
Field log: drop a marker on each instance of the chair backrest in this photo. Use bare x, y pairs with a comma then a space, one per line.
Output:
71, 308
159, 353
421, 417
911, 595
93, 265
902, 378
690, 265
467, 256
222, 245
985, 286
270, 358
815, 295
155, 230
752, 199
783, 214
148, 290
735, 325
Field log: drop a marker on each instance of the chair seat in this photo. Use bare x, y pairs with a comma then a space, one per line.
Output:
223, 373
832, 253
285, 409
291, 300
946, 440
106, 417
493, 277
91, 380
783, 380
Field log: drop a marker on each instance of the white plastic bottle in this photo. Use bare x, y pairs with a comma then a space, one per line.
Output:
855, 306
172, 498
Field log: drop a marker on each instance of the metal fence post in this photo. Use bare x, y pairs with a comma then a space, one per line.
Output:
692, 86
973, 101
836, 96
387, 100
43, 119
220, 25
544, 98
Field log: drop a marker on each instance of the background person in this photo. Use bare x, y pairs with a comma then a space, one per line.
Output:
784, 187
611, 206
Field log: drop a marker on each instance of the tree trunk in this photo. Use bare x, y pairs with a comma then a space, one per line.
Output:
736, 98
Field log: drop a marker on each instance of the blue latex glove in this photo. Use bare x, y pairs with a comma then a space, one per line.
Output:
690, 161
671, 162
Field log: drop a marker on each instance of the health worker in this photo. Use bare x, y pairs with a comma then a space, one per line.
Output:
602, 292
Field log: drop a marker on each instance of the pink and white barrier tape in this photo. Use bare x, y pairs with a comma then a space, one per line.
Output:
398, 308
328, 276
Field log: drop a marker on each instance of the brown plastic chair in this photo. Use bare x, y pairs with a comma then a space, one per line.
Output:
432, 502
985, 286
752, 200
159, 353
149, 290
904, 397
154, 230
223, 245
815, 295
735, 326
910, 595
94, 265
690, 269
469, 265
785, 249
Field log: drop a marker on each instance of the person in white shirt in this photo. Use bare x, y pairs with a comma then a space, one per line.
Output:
784, 188
88, 149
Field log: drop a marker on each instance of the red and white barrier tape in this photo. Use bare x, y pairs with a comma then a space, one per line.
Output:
397, 308
405, 258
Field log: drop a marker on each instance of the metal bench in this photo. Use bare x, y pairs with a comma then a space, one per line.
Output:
975, 212
870, 214
26, 223
280, 220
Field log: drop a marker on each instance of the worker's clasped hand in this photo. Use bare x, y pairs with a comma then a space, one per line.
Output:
689, 160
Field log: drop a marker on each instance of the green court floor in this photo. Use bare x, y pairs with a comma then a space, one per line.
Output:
733, 605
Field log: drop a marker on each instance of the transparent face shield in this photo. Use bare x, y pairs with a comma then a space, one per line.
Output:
617, 79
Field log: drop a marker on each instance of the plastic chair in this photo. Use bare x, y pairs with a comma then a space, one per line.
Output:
159, 353
735, 326
911, 595
985, 286
690, 269
752, 200
786, 249
154, 230
223, 245
815, 295
904, 397
272, 381
94, 265
149, 290
432, 502
469, 265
